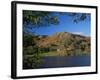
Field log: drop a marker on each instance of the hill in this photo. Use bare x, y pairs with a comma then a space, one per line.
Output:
63, 43
60, 44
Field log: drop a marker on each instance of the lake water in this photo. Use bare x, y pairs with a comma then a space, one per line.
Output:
63, 61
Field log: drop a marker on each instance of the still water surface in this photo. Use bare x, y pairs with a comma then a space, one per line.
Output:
63, 61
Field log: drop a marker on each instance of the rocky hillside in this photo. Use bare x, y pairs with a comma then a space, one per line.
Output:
64, 43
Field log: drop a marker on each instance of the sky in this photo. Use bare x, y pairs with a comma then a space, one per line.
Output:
66, 25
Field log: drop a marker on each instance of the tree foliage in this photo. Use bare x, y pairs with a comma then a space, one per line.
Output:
77, 17
39, 18
32, 52
46, 18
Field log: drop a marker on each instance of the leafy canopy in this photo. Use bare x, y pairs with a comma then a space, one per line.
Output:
45, 18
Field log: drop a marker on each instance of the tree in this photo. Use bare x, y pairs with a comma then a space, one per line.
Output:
39, 18
27, 40
45, 18
79, 16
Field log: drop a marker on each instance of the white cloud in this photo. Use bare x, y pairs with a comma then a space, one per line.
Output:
79, 33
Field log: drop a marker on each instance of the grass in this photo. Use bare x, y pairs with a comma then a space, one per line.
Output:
55, 53
51, 53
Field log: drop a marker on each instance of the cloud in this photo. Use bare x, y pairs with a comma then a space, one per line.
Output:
79, 33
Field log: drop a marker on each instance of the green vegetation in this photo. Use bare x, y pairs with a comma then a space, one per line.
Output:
46, 18
42, 18
59, 44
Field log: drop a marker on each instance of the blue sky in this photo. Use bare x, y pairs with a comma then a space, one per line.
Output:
66, 25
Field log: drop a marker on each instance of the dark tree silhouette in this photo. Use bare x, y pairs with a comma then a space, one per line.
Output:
44, 18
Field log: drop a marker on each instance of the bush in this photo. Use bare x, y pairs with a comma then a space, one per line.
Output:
31, 61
